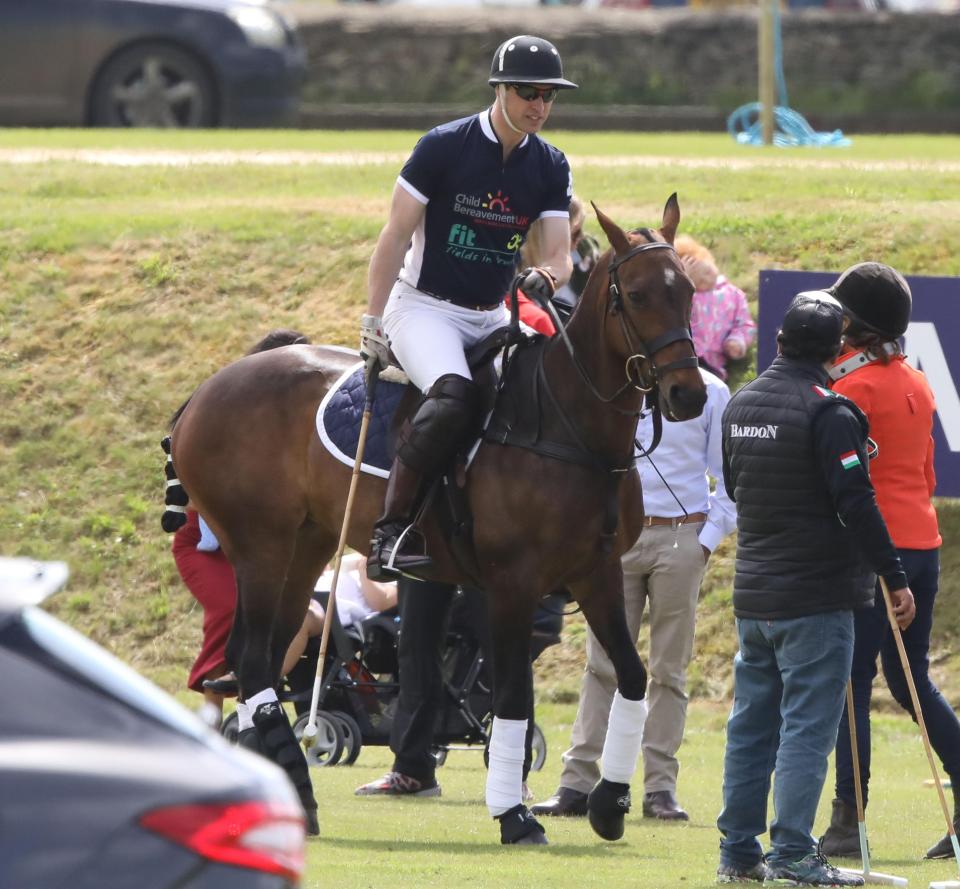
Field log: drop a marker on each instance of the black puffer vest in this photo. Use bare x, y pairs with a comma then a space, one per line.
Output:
794, 556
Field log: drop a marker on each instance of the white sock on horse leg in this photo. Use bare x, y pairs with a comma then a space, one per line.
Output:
621, 747
505, 774
244, 716
267, 696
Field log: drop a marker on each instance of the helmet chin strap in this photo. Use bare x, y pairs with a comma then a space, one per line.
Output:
501, 99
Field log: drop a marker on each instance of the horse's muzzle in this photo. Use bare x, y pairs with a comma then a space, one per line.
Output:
680, 402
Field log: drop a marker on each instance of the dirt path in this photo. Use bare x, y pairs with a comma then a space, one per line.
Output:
173, 158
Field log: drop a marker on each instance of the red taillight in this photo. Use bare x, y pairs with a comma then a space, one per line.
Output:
257, 835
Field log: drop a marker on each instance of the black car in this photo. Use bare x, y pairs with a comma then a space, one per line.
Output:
157, 63
108, 783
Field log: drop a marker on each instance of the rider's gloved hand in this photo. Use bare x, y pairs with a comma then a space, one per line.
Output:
373, 341
537, 284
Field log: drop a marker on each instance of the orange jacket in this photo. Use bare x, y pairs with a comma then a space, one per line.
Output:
899, 405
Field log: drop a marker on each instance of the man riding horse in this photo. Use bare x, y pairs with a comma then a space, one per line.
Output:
461, 208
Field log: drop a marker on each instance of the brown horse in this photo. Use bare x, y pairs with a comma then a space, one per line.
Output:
246, 449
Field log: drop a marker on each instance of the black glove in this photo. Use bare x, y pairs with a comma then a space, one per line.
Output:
537, 285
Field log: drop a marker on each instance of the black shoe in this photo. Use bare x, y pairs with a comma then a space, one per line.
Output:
663, 804
226, 685
565, 802
396, 548
842, 839
607, 805
944, 848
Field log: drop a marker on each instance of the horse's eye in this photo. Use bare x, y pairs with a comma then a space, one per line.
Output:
636, 296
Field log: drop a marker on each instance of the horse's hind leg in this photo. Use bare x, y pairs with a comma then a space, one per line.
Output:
274, 588
511, 626
602, 602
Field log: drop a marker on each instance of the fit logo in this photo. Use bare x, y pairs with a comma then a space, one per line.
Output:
514, 243
461, 235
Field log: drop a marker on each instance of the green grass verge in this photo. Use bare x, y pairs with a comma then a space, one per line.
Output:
122, 287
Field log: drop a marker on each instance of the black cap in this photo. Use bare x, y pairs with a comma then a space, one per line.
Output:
526, 59
877, 296
812, 325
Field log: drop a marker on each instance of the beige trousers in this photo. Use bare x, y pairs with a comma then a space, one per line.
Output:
662, 572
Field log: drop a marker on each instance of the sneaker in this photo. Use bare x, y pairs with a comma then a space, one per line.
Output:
811, 870
395, 784
735, 873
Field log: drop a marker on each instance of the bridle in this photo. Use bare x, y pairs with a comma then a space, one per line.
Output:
641, 351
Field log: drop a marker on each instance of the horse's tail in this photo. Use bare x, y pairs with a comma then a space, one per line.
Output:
175, 514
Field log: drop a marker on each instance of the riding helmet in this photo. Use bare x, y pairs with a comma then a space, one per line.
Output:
812, 324
876, 296
526, 59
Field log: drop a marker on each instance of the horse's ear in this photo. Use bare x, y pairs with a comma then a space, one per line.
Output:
615, 235
671, 218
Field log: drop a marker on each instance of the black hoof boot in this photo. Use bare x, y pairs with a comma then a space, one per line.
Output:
281, 746
250, 740
607, 805
519, 828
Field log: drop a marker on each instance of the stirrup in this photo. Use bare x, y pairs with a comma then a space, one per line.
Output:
396, 550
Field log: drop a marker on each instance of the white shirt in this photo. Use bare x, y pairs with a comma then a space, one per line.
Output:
352, 607
687, 452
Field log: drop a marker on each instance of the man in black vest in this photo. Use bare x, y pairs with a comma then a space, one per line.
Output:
810, 538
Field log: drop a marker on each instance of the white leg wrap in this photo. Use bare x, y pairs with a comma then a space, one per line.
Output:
244, 716
621, 748
505, 775
267, 696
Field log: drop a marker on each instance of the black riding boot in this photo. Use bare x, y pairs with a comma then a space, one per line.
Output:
441, 425
944, 848
387, 559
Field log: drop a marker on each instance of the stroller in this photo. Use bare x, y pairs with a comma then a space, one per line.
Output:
360, 691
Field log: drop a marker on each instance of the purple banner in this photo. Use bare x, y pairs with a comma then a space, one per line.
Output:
931, 344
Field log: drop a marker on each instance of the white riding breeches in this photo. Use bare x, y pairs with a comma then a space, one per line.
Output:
430, 337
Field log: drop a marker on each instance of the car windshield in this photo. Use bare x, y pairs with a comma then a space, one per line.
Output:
109, 673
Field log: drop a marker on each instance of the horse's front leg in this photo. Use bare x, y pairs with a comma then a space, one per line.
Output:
601, 598
511, 626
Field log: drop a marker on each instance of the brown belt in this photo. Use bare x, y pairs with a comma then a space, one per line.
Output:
674, 522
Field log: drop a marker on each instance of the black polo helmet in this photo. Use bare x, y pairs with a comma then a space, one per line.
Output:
526, 59
876, 296
812, 325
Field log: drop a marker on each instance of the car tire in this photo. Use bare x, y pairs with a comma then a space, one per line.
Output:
352, 737
327, 748
154, 85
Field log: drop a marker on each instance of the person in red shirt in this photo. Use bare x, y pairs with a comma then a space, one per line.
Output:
872, 371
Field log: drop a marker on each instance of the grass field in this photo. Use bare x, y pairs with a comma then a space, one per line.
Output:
124, 284
451, 841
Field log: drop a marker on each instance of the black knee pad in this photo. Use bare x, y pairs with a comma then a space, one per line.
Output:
441, 425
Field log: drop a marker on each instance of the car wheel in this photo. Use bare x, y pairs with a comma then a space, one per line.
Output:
327, 747
154, 85
352, 737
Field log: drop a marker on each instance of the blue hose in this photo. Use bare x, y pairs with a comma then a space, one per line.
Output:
791, 129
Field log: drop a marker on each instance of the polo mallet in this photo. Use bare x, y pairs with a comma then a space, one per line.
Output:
868, 875
371, 375
898, 638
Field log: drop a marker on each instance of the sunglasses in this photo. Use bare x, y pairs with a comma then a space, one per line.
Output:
531, 93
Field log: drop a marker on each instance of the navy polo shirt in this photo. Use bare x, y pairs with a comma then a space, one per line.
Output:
478, 208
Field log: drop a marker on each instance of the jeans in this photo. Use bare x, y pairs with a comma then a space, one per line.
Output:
790, 677
873, 636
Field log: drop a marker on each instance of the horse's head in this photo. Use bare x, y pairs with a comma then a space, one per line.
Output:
648, 312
